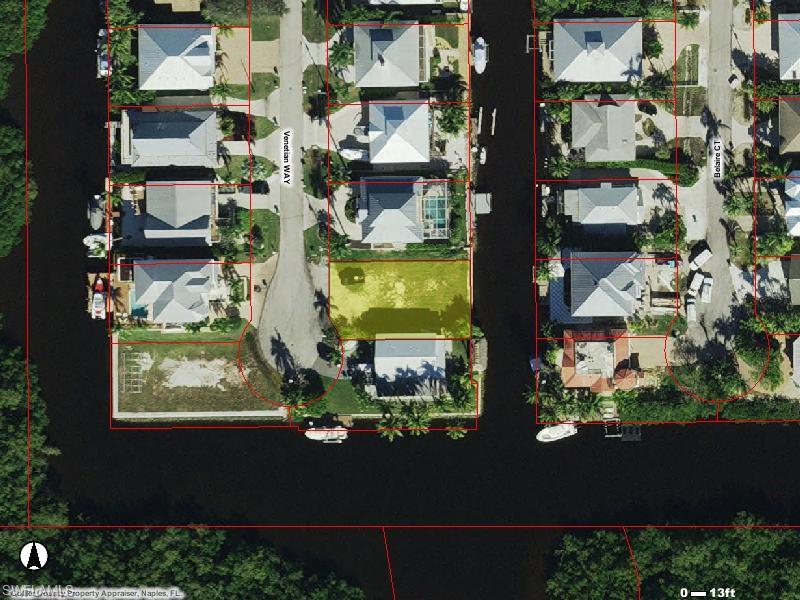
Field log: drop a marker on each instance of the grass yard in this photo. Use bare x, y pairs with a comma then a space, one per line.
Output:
341, 92
314, 22
172, 366
448, 34
265, 29
237, 169
688, 65
316, 247
691, 101
261, 86
341, 399
266, 229
406, 298
141, 334
263, 127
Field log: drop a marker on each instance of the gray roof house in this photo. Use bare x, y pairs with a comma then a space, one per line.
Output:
605, 128
399, 133
789, 45
175, 294
391, 213
177, 57
597, 49
390, 56
166, 138
604, 205
411, 368
606, 284
178, 213
789, 126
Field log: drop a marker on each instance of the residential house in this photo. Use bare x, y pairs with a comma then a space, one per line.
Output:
410, 368
789, 126
791, 203
399, 133
597, 49
604, 128
398, 211
789, 46
794, 281
605, 205
177, 57
177, 293
606, 284
169, 138
171, 214
598, 360
389, 56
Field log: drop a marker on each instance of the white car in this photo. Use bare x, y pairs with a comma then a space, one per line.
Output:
695, 283
701, 259
705, 291
691, 309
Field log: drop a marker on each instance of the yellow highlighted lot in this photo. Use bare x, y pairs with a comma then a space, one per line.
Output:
400, 298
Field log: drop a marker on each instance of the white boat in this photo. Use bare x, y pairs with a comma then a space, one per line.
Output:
331, 435
482, 156
99, 299
103, 58
480, 55
556, 432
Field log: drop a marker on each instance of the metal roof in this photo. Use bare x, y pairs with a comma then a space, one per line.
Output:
177, 57
606, 284
399, 133
605, 128
597, 49
387, 56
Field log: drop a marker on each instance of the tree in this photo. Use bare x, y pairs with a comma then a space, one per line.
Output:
775, 242
11, 34
689, 19
390, 427
559, 167
416, 417
452, 118
12, 187
234, 12
456, 433
651, 44
341, 55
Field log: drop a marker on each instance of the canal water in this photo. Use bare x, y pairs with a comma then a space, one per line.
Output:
496, 475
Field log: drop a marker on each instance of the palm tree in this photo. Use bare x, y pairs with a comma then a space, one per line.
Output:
341, 55
559, 167
390, 427
417, 418
456, 433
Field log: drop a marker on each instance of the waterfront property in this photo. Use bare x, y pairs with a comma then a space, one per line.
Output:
599, 360
390, 56
177, 57
789, 46
405, 211
170, 294
597, 49
604, 205
789, 126
165, 138
791, 203
606, 285
169, 214
399, 133
413, 297
604, 128
413, 369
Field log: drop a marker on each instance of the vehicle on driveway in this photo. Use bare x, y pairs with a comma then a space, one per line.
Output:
701, 259
691, 309
695, 283
705, 290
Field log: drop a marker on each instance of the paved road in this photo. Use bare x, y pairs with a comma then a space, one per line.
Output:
720, 103
289, 322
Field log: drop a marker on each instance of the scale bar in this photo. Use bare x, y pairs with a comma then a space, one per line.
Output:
698, 594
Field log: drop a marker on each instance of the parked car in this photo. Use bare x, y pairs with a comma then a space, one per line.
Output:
695, 283
691, 309
701, 259
705, 291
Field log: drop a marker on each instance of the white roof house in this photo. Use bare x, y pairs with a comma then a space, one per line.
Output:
177, 57
393, 211
399, 133
405, 368
791, 203
604, 205
176, 293
390, 56
597, 49
178, 213
165, 138
605, 129
606, 284
789, 45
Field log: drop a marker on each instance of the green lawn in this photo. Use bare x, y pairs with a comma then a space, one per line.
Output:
340, 91
266, 232
341, 399
448, 33
314, 23
263, 127
261, 86
265, 29
140, 334
691, 100
316, 247
688, 64
236, 170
